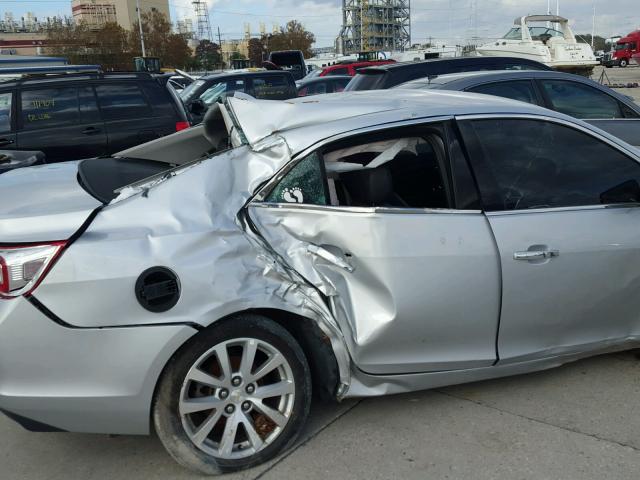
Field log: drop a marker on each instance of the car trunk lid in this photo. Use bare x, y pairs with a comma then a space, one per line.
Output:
43, 203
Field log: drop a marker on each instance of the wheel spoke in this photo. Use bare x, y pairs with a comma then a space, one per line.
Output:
205, 429
199, 376
254, 438
283, 387
274, 362
229, 435
248, 356
223, 360
200, 404
278, 418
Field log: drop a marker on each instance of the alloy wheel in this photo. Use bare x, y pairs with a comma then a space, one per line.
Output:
237, 398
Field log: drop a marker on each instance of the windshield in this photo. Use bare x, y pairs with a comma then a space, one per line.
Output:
189, 92
625, 46
536, 33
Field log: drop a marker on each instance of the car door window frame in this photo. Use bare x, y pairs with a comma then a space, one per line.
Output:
441, 123
475, 157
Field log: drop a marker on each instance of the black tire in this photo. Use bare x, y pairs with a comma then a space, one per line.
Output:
166, 416
623, 63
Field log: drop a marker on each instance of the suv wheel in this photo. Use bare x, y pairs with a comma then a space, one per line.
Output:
234, 396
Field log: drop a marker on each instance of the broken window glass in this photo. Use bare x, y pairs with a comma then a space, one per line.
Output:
303, 184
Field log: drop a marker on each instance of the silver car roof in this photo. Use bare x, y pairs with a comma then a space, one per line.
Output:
306, 120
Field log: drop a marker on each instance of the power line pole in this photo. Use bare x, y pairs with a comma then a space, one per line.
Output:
144, 54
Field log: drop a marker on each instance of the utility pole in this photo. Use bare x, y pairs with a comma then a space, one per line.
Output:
220, 46
593, 26
144, 54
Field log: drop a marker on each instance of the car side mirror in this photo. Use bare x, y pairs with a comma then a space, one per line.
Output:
197, 107
627, 192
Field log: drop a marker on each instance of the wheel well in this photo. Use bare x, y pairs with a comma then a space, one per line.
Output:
315, 345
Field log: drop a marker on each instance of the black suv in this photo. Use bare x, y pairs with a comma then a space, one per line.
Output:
387, 76
74, 116
264, 84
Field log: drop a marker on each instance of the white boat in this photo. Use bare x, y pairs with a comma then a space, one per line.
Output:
556, 48
417, 53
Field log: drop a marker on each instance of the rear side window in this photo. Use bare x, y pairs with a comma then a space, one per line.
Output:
338, 71
122, 100
5, 111
367, 81
580, 101
272, 87
317, 88
521, 90
49, 107
159, 98
340, 84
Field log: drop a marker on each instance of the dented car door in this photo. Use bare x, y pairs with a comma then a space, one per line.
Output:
371, 221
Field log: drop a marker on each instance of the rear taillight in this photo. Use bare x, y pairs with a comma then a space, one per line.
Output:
23, 268
182, 126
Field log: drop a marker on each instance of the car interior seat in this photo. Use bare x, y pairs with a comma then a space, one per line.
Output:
371, 187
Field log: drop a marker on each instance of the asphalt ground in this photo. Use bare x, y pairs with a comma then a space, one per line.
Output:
580, 421
616, 75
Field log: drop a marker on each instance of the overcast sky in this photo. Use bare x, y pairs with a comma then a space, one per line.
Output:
442, 20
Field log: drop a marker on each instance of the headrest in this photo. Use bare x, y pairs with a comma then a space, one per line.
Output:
368, 187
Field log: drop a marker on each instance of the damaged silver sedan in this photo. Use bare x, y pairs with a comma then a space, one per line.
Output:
204, 284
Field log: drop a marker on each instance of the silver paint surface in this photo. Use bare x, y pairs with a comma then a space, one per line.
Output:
42, 203
420, 308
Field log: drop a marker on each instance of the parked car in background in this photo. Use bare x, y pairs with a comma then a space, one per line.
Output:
351, 68
387, 76
263, 84
321, 85
210, 302
573, 95
74, 116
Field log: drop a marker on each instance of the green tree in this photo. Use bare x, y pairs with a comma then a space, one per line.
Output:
208, 56
257, 49
160, 41
106, 46
293, 36
598, 43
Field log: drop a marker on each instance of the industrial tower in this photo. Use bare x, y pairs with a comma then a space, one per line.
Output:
371, 25
202, 17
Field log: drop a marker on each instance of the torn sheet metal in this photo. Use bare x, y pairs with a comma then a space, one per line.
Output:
188, 222
389, 279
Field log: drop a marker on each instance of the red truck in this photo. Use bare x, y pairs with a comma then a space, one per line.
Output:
623, 50
351, 68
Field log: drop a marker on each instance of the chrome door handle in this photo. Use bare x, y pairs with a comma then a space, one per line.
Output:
536, 254
329, 257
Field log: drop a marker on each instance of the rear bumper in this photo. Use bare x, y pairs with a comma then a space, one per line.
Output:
82, 380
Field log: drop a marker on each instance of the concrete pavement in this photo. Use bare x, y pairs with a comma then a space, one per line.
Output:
580, 421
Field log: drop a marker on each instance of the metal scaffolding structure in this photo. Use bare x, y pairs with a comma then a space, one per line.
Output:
371, 25
201, 8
